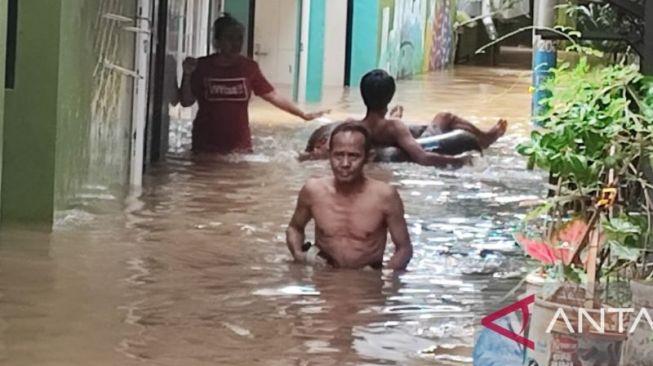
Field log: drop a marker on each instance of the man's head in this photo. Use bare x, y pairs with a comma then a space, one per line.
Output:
377, 88
349, 147
228, 35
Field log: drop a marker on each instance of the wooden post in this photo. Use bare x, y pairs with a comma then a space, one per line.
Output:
591, 268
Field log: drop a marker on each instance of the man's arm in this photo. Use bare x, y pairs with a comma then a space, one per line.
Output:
286, 105
295, 233
407, 142
185, 94
398, 233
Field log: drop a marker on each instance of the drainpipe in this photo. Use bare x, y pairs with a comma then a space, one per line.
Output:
544, 52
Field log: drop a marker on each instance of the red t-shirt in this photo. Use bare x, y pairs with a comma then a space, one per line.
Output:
223, 94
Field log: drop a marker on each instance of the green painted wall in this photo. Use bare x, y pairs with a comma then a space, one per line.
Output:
315, 65
68, 119
3, 44
365, 30
31, 117
239, 9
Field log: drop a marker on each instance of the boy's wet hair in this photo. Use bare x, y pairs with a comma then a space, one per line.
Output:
377, 88
353, 127
225, 22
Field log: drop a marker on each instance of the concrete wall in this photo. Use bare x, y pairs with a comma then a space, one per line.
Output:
95, 101
106, 147
335, 43
67, 120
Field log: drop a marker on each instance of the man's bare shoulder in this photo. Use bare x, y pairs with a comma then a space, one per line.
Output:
384, 190
316, 185
388, 197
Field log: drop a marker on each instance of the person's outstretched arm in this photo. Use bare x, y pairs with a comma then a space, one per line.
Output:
398, 233
286, 105
407, 142
295, 235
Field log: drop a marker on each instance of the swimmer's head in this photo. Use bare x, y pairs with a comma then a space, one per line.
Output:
349, 148
377, 88
228, 35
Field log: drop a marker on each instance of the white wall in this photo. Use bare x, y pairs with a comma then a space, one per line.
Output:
335, 36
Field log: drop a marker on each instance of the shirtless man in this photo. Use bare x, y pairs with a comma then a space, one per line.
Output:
353, 213
378, 89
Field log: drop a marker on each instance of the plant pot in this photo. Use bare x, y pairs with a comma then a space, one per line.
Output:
638, 349
560, 346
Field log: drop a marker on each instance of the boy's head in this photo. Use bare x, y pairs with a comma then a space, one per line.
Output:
378, 89
228, 35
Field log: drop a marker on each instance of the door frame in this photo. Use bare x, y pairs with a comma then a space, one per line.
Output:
156, 82
142, 51
298, 50
304, 14
348, 41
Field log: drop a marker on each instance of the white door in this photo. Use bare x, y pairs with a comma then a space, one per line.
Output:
275, 38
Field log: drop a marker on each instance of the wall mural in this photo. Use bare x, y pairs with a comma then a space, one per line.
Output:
415, 35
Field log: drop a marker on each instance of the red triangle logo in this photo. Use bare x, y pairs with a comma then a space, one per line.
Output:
522, 306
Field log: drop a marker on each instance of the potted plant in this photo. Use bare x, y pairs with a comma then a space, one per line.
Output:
594, 230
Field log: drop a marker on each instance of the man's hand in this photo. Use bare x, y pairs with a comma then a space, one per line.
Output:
189, 65
313, 258
315, 115
300, 257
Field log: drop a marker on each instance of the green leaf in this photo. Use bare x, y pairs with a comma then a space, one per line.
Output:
574, 274
578, 165
622, 252
538, 211
621, 226
525, 149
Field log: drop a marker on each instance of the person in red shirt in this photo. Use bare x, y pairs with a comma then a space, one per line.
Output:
222, 85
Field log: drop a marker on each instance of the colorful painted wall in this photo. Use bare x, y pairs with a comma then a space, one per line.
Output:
412, 36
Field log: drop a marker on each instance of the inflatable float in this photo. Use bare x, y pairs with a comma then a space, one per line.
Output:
450, 143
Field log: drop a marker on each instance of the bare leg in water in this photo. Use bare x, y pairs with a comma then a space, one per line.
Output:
447, 122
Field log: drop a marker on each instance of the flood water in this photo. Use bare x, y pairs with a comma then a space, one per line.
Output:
195, 270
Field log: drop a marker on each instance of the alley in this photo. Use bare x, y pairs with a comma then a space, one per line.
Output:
196, 272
